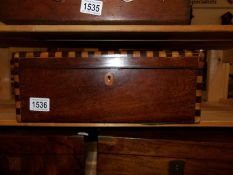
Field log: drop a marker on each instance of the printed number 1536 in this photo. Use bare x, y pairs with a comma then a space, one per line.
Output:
39, 104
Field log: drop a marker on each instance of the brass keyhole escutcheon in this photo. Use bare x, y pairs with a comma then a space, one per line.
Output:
109, 79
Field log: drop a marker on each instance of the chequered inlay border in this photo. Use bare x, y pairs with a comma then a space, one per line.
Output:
92, 54
15, 76
198, 97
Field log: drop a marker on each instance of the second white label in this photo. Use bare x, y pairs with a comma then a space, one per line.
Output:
39, 104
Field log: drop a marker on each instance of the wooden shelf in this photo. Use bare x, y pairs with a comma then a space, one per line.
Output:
117, 28
194, 36
213, 115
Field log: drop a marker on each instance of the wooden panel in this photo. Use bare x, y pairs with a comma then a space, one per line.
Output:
133, 165
41, 154
211, 116
82, 95
153, 156
114, 60
6, 112
228, 56
5, 80
218, 77
68, 12
167, 148
43, 144
202, 30
117, 36
46, 164
217, 111
181, 135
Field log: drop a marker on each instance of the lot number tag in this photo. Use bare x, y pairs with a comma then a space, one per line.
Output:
92, 7
39, 104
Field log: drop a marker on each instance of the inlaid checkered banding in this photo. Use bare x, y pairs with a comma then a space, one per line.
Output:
16, 85
198, 97
201, 56
97, 53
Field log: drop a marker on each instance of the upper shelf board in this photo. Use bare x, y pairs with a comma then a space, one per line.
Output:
194, 36
116, 28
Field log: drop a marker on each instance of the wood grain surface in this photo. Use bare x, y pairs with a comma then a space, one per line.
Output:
114, 11
109, 59
217, 76
200, 30
47, 155
137, 165
5, 80
212, 116
215, 151
81, 95
153, 156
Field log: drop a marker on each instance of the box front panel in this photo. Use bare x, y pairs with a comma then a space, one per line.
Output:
109, 95
113, 11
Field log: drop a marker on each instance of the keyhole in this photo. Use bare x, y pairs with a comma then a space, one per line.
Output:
109, 79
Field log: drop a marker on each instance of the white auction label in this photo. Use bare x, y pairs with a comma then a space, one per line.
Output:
39, 104
92, 7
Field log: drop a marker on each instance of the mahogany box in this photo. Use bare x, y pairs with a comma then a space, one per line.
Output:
95, 12
124, 86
